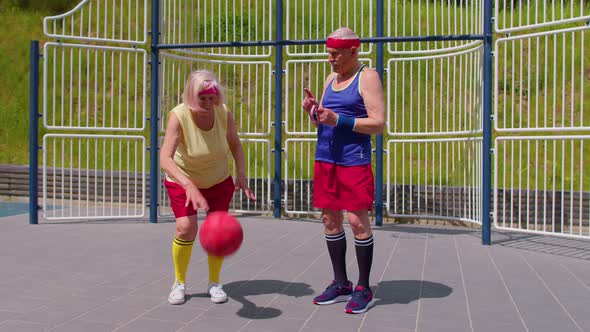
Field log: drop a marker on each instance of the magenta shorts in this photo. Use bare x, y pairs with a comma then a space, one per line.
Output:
337, 187
218, 197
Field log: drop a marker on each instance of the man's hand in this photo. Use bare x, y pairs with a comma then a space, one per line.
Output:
310, 105
327, 116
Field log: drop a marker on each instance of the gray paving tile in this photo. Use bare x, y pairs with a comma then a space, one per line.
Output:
290, 308
330, 328
333, 317
21, 326
177, 313
17, 303
215, 324
6, 315
487, 296
78, 325
114, 313
117, 282
562, 286
499, 326
150, 325
61, 310
376, 319
272, 325
539, 310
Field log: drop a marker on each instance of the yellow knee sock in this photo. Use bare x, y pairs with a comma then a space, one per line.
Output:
214, 268
181, 255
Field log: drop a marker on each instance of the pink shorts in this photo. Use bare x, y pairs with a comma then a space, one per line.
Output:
337, 187
218, 197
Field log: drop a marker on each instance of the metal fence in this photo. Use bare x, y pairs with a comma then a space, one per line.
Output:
436, 60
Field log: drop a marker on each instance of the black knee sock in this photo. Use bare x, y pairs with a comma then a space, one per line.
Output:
364, 257
337, 249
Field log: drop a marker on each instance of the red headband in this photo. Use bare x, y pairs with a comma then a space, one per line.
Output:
212, 90
343, 43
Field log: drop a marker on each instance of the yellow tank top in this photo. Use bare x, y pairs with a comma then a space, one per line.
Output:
202, 155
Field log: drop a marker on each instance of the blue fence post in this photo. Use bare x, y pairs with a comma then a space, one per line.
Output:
33, 132
379, 138
486, 234
278, 148
154, 162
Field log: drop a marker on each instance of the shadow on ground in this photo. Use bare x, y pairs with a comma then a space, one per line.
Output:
567, 247
386, 292
240, 290
406, 291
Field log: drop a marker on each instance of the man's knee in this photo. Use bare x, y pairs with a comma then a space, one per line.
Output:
332, 222
359, 221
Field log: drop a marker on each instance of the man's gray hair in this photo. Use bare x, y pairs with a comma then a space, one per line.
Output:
343, 33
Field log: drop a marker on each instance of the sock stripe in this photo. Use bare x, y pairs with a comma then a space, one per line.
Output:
364, 243
335, 237
183, 242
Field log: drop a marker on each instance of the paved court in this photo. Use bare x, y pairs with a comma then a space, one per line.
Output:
115, 276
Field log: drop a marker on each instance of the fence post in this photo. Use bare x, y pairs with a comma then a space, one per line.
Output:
379, 138
486, 236
154, 93
33, 132
278, 148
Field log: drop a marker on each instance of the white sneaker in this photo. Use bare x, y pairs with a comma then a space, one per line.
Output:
216, 292
177, 293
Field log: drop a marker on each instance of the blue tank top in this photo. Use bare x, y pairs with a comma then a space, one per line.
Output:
341, 146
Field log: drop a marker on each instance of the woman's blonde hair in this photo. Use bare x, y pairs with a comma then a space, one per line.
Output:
198, 81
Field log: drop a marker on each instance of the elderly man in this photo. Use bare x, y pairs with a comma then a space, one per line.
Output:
351, 109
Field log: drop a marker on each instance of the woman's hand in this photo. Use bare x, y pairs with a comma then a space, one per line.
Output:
194, 197
242, 184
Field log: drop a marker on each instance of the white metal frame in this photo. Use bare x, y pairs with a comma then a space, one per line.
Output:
235, 106
465, 21
548, 176
181, 17
74, 97
471, 213
346, 10
103, 205
471, 73
569, 74
310, 165
541, 7
101, 23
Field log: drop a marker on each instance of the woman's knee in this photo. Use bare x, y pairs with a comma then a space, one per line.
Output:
186, 228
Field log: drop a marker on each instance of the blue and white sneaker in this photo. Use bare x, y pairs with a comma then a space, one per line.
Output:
337, 291
361, 300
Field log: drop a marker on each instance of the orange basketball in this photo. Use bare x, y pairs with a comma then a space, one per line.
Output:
221, 234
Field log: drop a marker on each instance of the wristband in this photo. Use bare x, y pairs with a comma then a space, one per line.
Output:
345, 122
313, 113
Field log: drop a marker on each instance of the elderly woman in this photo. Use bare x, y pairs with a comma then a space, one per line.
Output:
195, 156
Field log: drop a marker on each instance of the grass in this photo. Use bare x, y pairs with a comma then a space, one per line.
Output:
19, 27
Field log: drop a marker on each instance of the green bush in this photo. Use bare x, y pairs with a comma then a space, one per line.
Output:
51, 6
